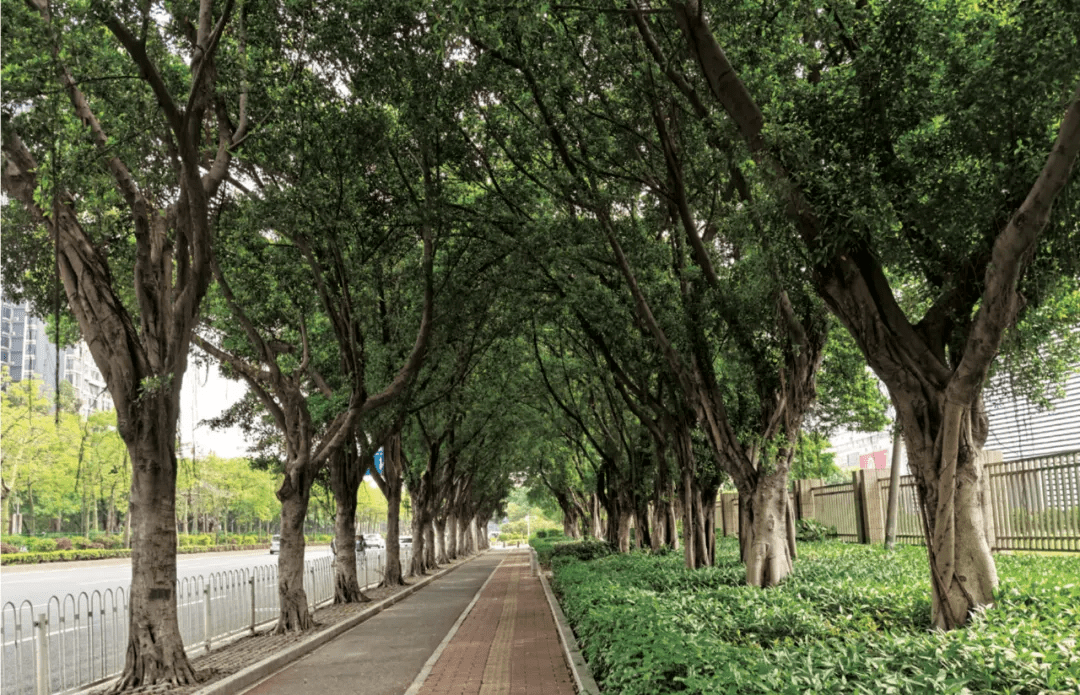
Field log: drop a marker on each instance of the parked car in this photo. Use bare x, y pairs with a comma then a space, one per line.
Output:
275, 544
374, 540
404, 541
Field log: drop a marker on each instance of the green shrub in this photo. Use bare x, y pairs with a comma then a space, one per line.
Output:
111, 542
849, 619
82, 543
813, 530
585, 550
544, 544
61, 556
40, 545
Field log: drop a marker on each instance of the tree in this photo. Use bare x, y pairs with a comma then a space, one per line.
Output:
136, 296
932, 350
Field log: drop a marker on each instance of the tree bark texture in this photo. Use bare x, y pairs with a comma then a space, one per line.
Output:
155, 650
294, 495
346, 474
391, 488
766, 532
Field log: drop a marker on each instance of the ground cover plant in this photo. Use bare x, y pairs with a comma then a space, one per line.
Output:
849, 619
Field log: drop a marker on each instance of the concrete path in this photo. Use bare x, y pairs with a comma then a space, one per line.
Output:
383, 655
506, 644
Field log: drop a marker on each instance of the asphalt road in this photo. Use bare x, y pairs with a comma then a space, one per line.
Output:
37, 583
81, 655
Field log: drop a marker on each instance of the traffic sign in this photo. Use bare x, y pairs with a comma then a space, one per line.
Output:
378, 463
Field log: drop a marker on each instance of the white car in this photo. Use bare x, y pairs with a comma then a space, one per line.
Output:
275, 544
404, 541
373, 540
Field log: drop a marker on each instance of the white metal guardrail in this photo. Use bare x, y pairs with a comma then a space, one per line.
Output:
80, 639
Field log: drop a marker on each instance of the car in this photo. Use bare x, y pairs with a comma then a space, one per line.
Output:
373, 540
275, 544
404, 541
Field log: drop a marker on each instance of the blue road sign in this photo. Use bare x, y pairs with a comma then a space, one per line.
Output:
378, 462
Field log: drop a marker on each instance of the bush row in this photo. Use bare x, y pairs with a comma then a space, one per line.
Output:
101, 554
850, 619
11, 555
553, 544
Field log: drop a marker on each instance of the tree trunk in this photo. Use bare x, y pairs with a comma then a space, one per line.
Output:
429, 546
708, 508
294, 494
570, 523
418, 567
345, 478
619, 529
392, 575
155, 651
470, 537
954, 500
482, 536
441, 556
766, 531
452, 550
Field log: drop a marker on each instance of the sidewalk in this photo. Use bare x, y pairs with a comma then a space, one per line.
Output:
484, 629
507, 645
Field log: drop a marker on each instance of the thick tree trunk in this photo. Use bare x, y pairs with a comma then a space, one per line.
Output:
664, 524
429, 546
954, 499
597, 526
155, 651
482, 536
419, 565
392, 575
570, 524
294, 494
619, 529
766, 531
345, 478
452, 537
470, 537
441, 555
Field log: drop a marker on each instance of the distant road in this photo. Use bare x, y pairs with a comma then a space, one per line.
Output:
37, 583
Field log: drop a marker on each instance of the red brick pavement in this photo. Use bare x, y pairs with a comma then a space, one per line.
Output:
507, 645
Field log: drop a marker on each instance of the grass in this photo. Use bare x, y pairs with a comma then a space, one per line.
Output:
850, 619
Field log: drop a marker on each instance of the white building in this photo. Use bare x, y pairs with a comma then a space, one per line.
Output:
26, 350
1018, 429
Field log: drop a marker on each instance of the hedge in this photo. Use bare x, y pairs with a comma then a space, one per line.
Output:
849, 619
104, 554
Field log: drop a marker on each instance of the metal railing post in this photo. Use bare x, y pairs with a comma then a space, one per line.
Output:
251, 581
42, 655
206, 614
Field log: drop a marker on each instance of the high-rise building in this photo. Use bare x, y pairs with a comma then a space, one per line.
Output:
26, 350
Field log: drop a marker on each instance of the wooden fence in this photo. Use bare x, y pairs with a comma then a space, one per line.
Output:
1033, 504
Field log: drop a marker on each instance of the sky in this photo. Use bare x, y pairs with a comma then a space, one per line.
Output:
205, 395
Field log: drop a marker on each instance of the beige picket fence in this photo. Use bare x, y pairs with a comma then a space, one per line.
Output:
1033, 504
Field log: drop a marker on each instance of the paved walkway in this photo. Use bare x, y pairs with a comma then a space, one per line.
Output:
507, 644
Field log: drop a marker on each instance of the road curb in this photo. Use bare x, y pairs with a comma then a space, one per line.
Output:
258, 671
583, 677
